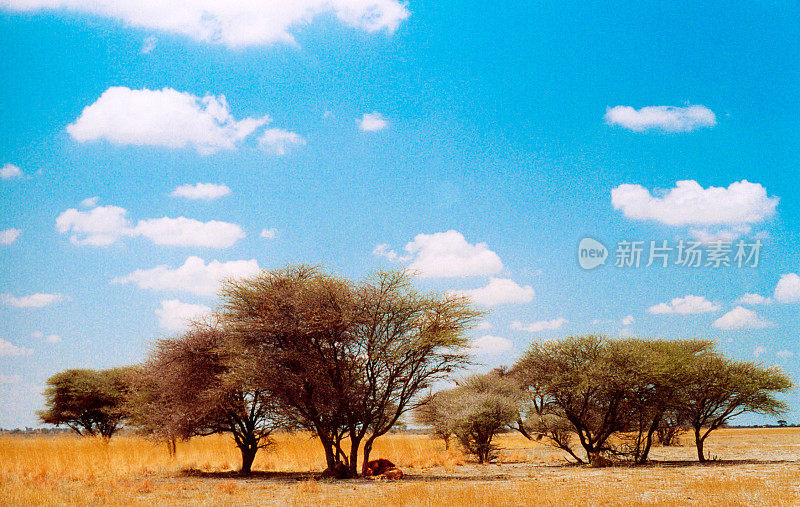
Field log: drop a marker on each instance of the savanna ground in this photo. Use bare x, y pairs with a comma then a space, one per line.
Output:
755, 467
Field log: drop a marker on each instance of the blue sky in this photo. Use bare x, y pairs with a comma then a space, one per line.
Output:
476, 143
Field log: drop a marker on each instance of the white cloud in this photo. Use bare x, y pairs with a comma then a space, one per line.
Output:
9, 236
104, 225
489, 345
759, 351
372, 122
9, 171
9, 349
689, 305
233, 23
741, 318
193, 276
279, 141
271, 233
175, 315
688, 203
205, 191
149, 45
37, 300
666, 118
754, 299
500, 291
51, 338
709, 236
627, 321
166, 117
784, 354
183, 231
788, 289
448, 255
100, 226
539, 326
89, 202
10, 379
383, 250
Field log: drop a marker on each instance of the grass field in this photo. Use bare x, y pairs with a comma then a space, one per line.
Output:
754, 467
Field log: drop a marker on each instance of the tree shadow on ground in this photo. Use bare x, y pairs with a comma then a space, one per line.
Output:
289, 477
292, 477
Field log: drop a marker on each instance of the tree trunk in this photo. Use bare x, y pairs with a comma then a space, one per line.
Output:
172, 446
699, 443
353, 459
643, 457
367, 451
248, 456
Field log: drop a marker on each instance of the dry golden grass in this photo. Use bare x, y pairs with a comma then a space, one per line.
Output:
761, 468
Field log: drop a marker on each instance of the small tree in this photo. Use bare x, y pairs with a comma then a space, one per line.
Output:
201, 383
90, 402
475, 411
346, 359
719, 389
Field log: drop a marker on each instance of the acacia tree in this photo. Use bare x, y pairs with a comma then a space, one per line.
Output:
719, 389
659, 375
90, 402
584, 381
474, 411
200, 383
346, 359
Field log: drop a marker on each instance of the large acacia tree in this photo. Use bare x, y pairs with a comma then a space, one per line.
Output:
346, 360
201, 382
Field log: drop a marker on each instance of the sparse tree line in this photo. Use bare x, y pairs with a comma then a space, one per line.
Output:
300, 349
614, 398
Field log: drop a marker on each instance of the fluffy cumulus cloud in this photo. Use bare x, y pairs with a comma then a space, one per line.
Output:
741, 318
194, 276
448, 255
500, 291
9, 349
166, 117
9, 236
488, 345
233, 23
279, 141
627, 321
372, 122
665, 118
788, 289
175, 315
201, 191
689, 305
38, 300
100, 226
9, 171
754, 300
539, 326
689, 203
183, 231
104, 225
